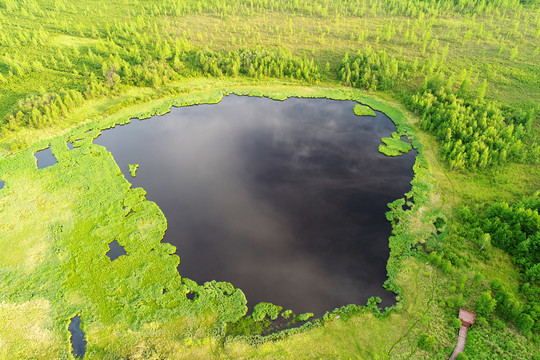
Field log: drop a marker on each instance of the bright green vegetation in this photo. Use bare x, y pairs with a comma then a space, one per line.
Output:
515, 229
134, 289
133, 169
362, 110
394, 146
266, 309
466, 72
66, 230
83, 50
475, 133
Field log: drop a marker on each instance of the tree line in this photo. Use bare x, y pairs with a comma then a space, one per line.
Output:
117, 71
39, 111
257, 63
473, 132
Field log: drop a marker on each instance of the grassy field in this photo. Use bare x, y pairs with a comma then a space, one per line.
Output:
70, 69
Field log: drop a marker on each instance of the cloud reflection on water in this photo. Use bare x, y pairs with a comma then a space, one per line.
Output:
286, 200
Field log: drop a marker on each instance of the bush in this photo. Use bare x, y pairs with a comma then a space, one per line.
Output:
286, 314
456, 323
265, 309
524, 322
304, 317
485, 305
498, 324
426, 342
481, 321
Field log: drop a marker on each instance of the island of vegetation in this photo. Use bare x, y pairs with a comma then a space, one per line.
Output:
133, 169
460, 79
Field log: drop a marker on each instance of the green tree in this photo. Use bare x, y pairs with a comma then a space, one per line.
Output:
426, 342
481, 91
485, 305
485, 242
524, 322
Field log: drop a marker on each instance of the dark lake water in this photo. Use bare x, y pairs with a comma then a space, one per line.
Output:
115, 250
78, 343
45, 158
285, 200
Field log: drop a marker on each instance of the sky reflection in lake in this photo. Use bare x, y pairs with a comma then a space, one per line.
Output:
285, 200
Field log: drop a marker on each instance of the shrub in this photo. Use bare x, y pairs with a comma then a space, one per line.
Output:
524, 322
265, 309
485, 305
426, 342
304, 317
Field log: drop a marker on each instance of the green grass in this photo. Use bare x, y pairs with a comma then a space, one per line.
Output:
70, 213
394, 146
361, 110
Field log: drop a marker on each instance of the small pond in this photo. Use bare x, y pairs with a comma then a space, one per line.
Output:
45, 158
78, 343
115, 250
285, 200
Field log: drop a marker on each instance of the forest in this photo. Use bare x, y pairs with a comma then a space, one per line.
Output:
460, 79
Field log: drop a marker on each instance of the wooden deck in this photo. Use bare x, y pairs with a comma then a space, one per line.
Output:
467, 319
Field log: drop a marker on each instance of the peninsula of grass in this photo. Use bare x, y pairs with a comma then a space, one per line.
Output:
362, 110
394, 146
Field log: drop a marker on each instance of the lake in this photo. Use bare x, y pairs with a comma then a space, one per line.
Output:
286, 200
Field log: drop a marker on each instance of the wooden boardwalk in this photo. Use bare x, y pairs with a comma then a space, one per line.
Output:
467, 319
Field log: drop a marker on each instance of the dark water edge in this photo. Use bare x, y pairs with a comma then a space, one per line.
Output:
2, 184
285, 200
78, 343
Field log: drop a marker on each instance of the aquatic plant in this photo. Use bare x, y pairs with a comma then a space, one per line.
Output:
133, 169
362, 110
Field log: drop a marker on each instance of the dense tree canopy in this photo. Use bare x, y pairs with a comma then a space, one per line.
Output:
514, 228
474, 133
